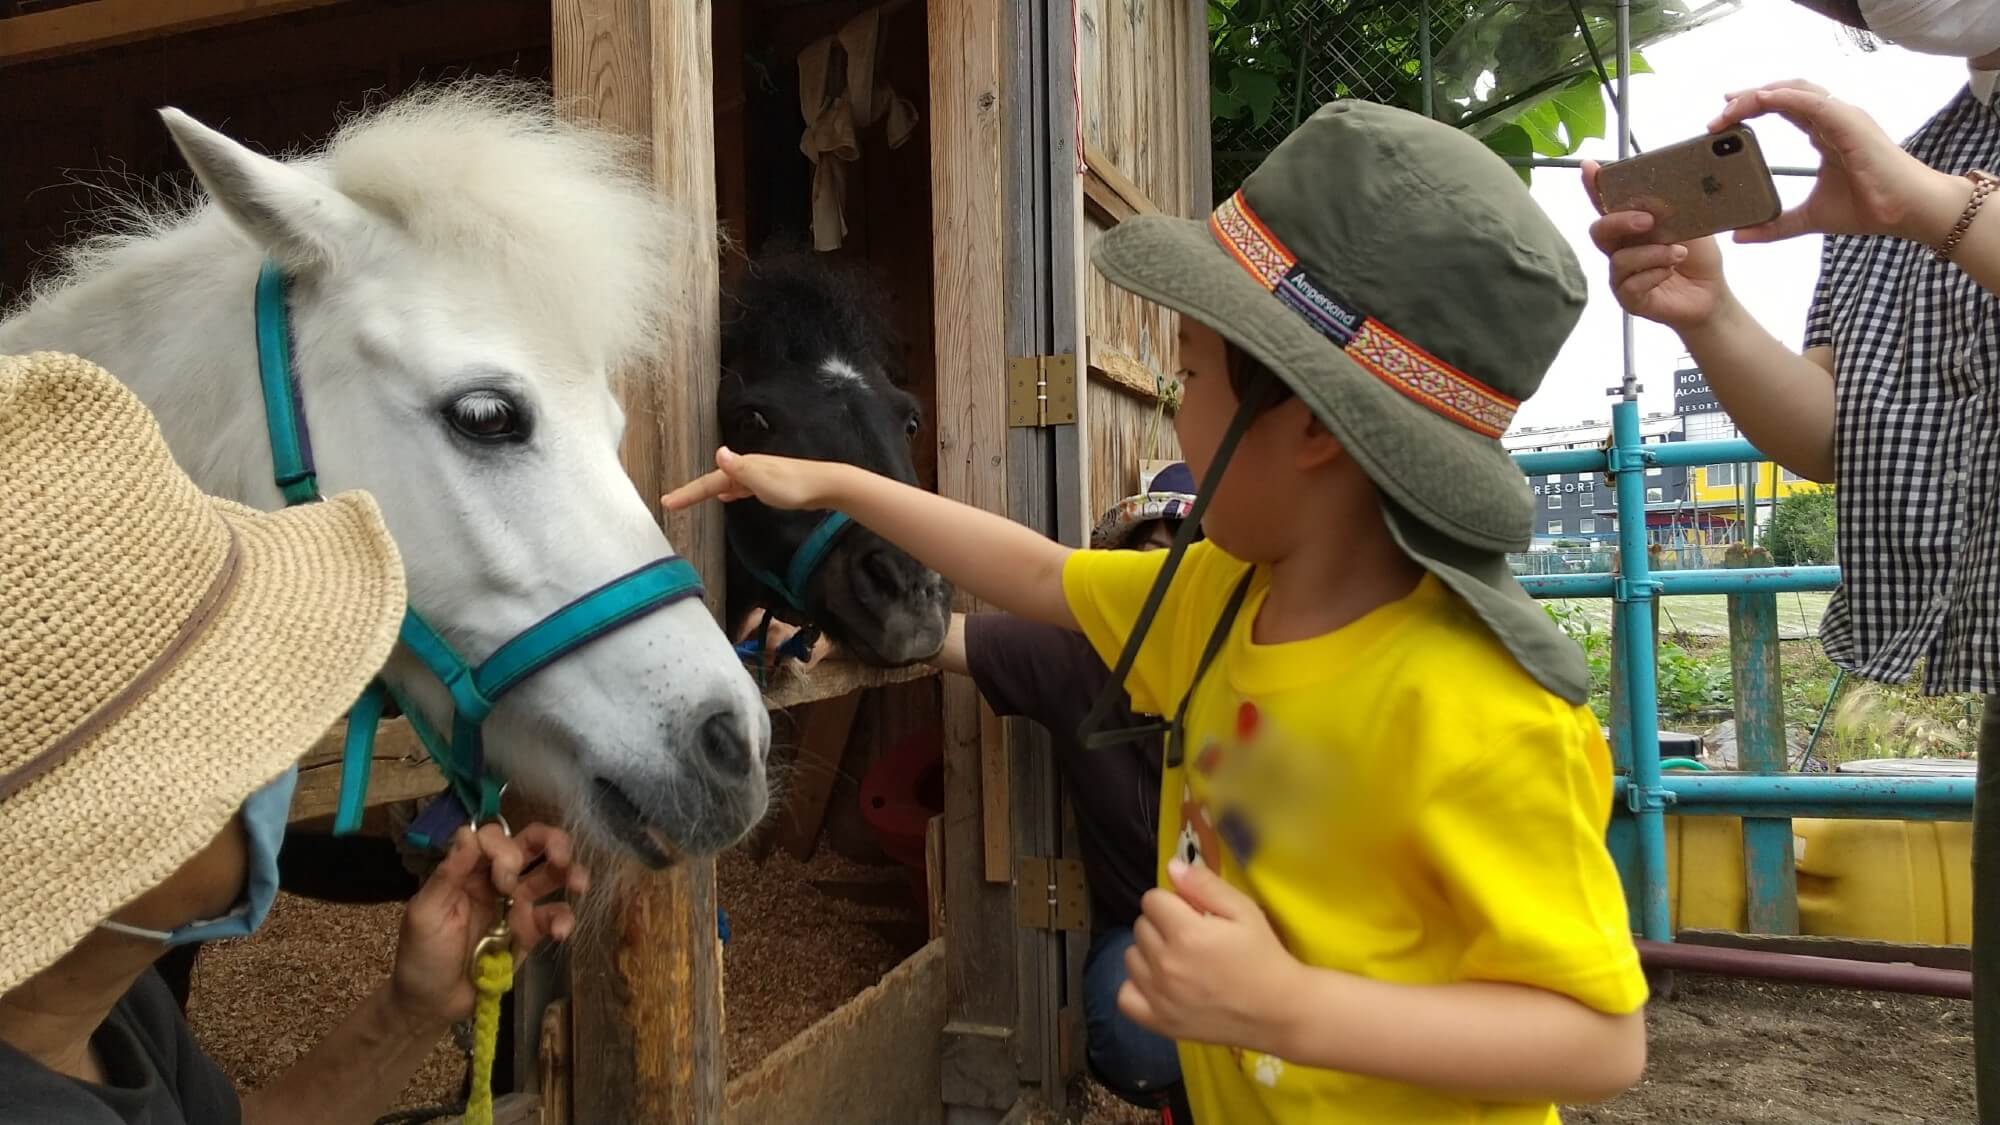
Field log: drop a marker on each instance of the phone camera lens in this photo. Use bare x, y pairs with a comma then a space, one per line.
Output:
1728, 146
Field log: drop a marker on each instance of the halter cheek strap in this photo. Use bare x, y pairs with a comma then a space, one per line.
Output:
473, 791
805, 562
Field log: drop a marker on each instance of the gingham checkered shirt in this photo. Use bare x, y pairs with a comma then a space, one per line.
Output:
1916, 441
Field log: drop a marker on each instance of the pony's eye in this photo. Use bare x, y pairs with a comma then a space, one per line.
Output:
912, 425
486, 416
758, 420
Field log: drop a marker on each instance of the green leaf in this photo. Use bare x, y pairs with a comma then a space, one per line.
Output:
1512, 141
1543, 126
1223, 105
1580, 105
1257, 90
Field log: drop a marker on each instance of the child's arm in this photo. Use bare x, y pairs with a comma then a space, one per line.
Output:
1208, 967
993, 558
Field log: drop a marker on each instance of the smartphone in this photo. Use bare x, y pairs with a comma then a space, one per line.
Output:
1695, 188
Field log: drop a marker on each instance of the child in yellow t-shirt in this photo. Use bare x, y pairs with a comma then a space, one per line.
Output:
1384, 802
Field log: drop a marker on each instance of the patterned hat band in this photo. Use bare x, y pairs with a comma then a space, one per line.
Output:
1417, 374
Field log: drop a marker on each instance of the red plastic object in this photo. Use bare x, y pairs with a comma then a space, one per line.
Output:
900, 794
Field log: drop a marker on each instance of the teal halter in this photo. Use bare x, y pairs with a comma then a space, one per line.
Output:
473, 792
804, 563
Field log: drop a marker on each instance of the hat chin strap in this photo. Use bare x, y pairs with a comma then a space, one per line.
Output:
1088, 733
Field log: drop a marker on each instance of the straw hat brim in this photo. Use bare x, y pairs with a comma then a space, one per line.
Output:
312, 616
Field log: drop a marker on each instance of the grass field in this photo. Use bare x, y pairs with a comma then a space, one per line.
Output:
1708, 615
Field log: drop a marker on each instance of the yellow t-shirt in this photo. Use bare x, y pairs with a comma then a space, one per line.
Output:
1401, 798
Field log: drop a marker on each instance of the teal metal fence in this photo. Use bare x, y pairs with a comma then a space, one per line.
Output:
1767, 795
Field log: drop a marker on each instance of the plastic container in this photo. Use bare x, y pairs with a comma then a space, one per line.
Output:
1884, 880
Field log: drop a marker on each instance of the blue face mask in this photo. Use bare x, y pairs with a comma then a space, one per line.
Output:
265, 814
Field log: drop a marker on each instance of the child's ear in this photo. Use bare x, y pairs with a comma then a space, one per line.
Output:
1318, 447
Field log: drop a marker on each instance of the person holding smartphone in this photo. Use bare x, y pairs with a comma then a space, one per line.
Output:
1896, 396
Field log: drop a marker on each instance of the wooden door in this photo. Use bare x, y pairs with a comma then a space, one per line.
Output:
1142, 73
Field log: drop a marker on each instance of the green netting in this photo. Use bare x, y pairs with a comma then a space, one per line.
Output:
1520, 73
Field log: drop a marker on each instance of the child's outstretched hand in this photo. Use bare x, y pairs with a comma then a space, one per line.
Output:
781, 482
1206, 965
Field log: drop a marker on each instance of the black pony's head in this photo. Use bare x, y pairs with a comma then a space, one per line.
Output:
809, 370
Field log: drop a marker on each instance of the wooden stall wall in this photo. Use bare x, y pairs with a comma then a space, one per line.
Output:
1144, 123
71, 126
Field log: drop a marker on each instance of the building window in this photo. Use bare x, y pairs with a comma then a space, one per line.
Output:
1722, 474
1587, 500
1555, 527
1586, 527
1555, 500
1655, 495
1792, 476
1654, 470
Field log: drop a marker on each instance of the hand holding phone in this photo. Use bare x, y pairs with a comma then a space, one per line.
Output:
1696, 188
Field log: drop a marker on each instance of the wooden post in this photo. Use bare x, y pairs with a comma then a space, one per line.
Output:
1760, 746
646, 989
980, 1075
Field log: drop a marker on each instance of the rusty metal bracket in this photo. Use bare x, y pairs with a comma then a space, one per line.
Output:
1041, 390
1050, 894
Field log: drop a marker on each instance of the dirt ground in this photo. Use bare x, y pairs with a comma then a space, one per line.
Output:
807, 937
1728, 1052
804, 939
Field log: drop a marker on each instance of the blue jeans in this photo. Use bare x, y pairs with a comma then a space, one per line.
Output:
1138, 1065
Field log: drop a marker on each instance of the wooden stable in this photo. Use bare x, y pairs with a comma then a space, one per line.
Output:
1041, 124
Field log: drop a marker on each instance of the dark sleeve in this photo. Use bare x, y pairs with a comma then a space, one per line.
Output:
1034, 671
1819, 318
203, 1091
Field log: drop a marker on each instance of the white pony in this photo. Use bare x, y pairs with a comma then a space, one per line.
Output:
468, 272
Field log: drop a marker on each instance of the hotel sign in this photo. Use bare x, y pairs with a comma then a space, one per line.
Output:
1692, 394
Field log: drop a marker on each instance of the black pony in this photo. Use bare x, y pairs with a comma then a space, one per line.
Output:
809, 370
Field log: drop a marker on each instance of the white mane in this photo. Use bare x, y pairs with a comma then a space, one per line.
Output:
483, 169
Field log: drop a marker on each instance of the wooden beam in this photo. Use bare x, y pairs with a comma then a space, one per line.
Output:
966, 116
1956, 957
827, 726
1200, 158
832, 679
934, 874
1099, 168
646, 988
554, 1069
1109, 364
401, 771
109, 23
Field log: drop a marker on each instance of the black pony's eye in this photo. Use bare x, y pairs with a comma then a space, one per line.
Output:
487, 416
758, 420
912, 425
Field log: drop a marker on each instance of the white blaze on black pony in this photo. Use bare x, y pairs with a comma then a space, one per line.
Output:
809, 370
466, 273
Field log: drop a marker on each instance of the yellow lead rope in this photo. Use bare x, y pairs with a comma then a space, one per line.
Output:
492, 973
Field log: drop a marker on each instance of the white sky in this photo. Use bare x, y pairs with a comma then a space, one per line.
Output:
1767, 41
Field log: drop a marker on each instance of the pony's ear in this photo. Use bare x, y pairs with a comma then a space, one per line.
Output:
296, 219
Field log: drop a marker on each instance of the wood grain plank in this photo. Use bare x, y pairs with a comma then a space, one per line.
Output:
109, 23
826, 725
646, 988
966, 210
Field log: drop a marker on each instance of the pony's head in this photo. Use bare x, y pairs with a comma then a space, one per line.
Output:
469, 274
808, 370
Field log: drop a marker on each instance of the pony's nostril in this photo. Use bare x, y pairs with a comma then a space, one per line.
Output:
726, 745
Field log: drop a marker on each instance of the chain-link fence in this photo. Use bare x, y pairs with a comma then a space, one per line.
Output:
1527, 76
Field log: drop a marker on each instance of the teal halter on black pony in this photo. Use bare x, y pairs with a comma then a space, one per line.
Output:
474, 792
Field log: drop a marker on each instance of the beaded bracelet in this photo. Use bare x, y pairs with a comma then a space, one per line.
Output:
1983, 185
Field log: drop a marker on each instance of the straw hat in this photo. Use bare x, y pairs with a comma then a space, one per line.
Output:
163, 654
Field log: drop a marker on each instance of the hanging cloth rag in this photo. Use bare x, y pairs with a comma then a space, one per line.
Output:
840, 95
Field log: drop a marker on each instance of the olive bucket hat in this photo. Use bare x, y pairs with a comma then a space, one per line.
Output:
1398, 277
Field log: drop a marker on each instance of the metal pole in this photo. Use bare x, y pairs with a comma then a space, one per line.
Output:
1835, 972
1630, 389
1633, 592
1424, 49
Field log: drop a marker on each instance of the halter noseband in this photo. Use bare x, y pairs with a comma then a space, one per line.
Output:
804, 563
473, 793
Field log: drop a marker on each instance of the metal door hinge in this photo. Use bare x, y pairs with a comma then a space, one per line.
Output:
1049, 894
1041, 390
